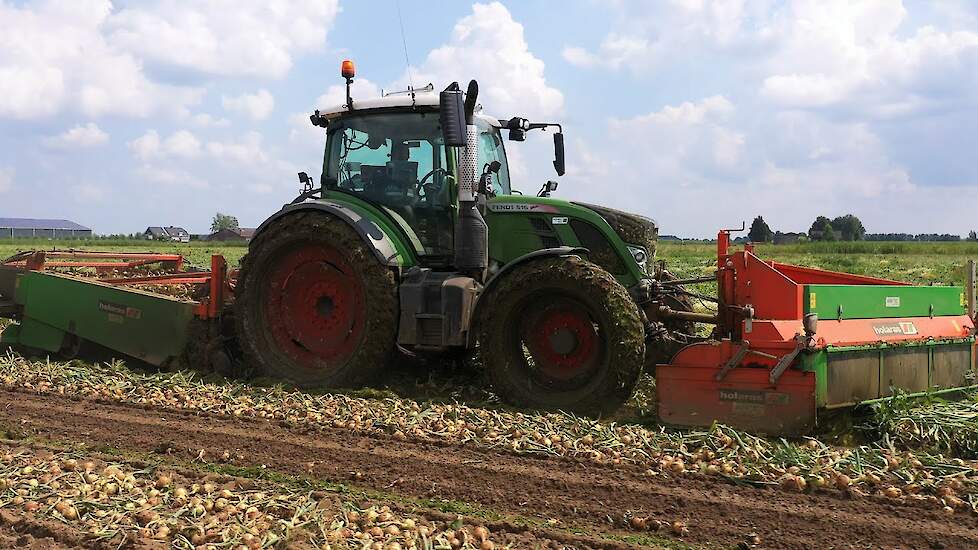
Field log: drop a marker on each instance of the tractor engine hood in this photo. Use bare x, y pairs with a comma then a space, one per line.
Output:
632, 228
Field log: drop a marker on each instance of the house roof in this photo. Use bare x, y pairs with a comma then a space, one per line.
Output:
156, 230
38, 223
241, 232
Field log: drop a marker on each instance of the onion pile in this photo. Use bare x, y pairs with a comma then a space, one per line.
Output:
116, 502
809, 465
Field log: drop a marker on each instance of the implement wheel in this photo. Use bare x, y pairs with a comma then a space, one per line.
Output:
562, 333
313, 305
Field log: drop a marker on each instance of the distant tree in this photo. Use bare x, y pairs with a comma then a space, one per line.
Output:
223, 221
848, 228
759, 231
826, 232
935, 237
815, 232
972, 236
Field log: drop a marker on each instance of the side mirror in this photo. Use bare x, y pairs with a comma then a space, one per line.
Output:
451, 116
559, 153
303, 178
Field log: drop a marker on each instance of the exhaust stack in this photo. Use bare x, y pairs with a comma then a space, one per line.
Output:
471, 230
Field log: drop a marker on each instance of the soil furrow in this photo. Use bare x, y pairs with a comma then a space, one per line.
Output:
580, 495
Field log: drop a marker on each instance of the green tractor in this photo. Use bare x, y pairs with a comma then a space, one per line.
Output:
415, 240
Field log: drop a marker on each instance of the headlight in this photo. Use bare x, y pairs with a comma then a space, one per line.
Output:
640, 256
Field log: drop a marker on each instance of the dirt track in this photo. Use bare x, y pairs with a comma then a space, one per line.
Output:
580, 495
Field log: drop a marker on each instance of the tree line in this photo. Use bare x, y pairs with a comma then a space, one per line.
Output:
841, 228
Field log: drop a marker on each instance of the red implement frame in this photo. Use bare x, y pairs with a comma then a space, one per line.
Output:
743, 376
101, 261
219, 281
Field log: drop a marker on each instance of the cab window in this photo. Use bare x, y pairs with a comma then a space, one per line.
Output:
490, 149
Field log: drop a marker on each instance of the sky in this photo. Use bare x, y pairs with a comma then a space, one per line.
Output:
121, 115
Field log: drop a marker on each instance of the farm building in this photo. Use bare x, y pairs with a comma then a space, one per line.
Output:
42, 229
241, 234
788, 238
171, 233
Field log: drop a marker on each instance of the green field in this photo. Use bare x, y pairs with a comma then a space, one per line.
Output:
197, 253
919, 263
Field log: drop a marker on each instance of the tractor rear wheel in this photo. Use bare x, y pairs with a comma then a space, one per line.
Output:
562, 333
313, 305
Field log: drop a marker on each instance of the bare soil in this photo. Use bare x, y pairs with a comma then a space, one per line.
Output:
18, 531
567, 502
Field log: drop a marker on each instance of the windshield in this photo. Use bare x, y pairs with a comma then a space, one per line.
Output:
397, 161
490, 149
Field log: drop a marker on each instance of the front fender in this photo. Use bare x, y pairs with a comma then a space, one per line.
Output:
380, 243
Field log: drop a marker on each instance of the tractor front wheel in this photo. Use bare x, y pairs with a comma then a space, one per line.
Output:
562, 333
313, 305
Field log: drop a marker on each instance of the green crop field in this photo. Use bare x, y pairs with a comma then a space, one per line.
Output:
919, 263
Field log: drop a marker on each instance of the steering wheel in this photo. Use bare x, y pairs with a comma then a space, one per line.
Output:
421, 183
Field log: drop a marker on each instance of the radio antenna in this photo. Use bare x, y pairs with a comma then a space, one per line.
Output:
407, 60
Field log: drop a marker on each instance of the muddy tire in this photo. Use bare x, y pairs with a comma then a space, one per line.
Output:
313, 306
562, 333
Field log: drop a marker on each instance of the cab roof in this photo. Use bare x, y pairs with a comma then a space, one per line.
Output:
426, 100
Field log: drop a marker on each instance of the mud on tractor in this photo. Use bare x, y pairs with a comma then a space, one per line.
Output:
414, 241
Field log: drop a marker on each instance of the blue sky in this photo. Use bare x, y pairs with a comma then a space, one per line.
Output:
125, 114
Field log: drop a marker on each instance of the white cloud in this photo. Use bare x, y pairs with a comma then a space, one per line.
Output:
699, 165
857, 57
204, 120
54, 56
576, 55
840, 107
6, 179
224, 37
488, 45
688, 143
869, 58
616, 51
89, 135
257, 106
88, 192
146, 146
649, 34
167, 176
248, 150
181, 143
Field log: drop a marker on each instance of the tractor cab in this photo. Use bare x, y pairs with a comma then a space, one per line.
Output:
390, 153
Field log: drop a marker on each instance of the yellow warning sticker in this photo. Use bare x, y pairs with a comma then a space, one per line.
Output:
811, 301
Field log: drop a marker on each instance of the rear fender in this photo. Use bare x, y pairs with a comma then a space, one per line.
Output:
561, 251
380, 242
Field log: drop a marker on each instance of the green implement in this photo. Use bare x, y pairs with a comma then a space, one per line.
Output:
56, 310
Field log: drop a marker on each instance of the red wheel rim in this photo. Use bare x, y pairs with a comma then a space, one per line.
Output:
562, 340
314, 305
